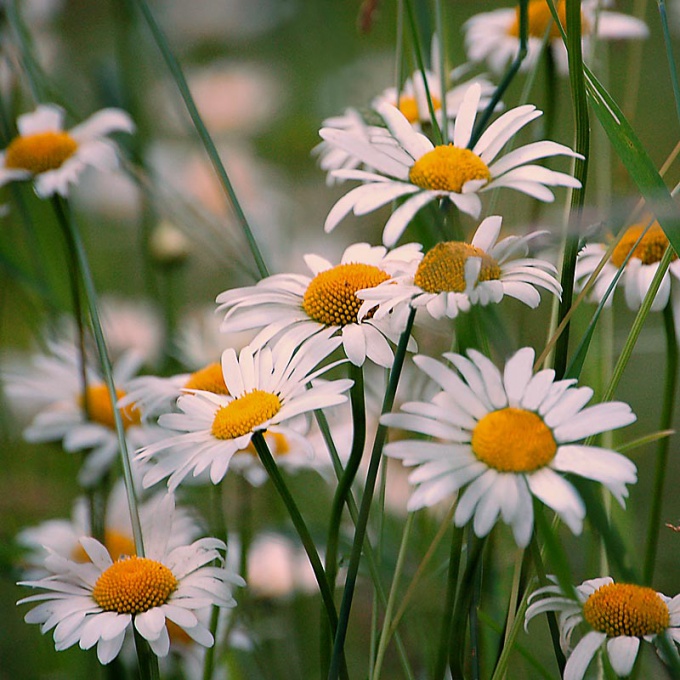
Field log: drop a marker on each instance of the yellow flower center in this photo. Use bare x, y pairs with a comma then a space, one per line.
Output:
409, 108
209, 378
134, 585
624, 609
100, 410
540, 18
447, 168
40, 152
331, 297
119, 546
442, 270
178, 636
277, 442
650, 249
244, 414
513, 440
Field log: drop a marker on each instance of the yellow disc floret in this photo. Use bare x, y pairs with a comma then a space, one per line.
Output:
650, 249
40, 152
409, 108
447, 168
244, 414
134, 585
210, 378
331, 297
513, 440
119, 545
442, 270
625, 609
540, 18
100, 410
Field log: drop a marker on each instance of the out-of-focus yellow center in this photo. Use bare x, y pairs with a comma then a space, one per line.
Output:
513, 440
277, 442
209, 378
447, 168
331, 297
442, 270
100, 410
134, 585
650, 249
409, 108
40, 152
119, 546
244, 414
540, 18
624, 609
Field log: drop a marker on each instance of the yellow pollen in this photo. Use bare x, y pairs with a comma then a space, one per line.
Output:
409, 108
540, 17
513, 440
624, 609
277, 442
178, 636
331, 297
100, 411
447, 168
134, 585
442, 270
40, 152
650, 249
119, 546
245, 413
208, 378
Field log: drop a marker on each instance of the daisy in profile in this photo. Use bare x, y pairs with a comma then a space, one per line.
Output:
97, 602
639, 270
407, 164
507, 436
615, 617
494, 36
455, 275
53, 157
266, 389
297, 306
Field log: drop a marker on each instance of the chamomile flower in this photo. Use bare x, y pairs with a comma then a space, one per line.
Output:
455, 275
266, 388
53, 157
97, 602
297, 306
407, 164
639, 270
616, 616
507, 436
494, 36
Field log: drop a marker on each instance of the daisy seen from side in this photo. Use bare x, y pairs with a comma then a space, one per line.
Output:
407, 164
615, 618
507, 436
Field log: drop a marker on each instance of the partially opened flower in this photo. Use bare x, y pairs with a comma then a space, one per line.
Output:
455, 275
507, 436
614, 618
407, 164
97, 602
296, 306
494, 36
53, 157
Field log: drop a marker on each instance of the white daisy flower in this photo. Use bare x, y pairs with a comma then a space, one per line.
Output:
507, 436
639, 270
96, 602
407, 164
455, 275
617, 616
494, 36
54, 157
297, 306
266, 388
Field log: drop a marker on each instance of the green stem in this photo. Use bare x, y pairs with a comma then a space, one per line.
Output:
666, 421
148, 661
442, 67
669, 55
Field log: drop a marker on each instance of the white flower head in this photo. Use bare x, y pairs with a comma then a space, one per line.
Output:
266, 388
616, 616
53, 157
507, 436
97, 602
494, 36
455, 275
408, 164
297, 307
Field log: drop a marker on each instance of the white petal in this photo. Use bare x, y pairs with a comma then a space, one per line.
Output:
622, 652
